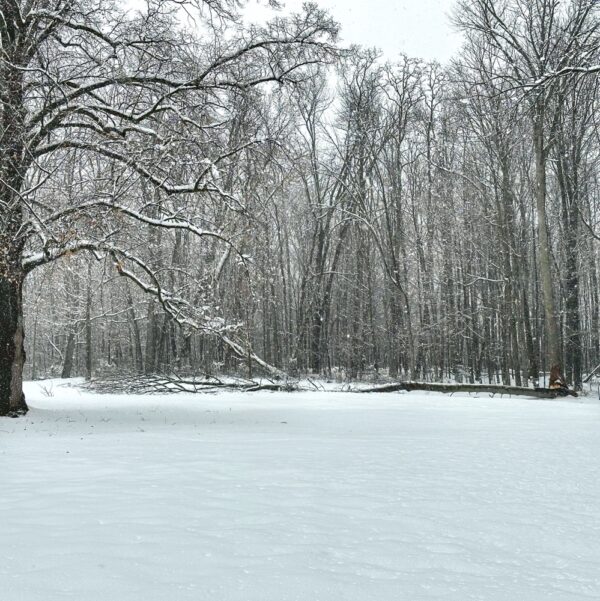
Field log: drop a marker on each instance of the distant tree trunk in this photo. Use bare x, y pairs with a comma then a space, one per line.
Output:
534, 370
573, 347
595, 314
394, 329
69, 351
33, 349
572, 174
88, 326
151, 339
544, 256
72, 291
511, 272
321, 328
137, 340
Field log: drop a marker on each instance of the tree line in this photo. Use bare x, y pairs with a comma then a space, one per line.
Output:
181, 192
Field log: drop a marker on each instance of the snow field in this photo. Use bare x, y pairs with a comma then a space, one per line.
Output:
301, 496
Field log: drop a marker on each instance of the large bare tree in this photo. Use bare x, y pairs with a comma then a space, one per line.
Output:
81, 79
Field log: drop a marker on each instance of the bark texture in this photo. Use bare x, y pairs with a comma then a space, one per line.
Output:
12, 352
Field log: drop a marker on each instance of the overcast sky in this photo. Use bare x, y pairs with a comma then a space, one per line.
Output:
419, 28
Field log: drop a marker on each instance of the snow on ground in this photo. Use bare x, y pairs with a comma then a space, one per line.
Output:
301, 496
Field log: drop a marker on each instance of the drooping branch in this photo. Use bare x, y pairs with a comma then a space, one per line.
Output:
178, 308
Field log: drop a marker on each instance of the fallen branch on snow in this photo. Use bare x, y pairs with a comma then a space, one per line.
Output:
172, 383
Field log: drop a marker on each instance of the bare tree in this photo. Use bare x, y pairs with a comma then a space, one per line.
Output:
86, 79
530, 40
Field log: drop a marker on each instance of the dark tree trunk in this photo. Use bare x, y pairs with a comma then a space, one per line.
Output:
544, 251
151, 339
68, 363
12, 351
135, 331
72, 290
88, 327
13, 166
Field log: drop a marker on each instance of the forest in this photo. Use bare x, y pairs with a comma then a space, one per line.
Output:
182, 192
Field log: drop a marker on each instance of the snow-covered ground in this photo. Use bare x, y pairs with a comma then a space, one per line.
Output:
301, 496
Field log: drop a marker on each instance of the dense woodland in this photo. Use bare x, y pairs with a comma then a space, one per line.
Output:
202, 197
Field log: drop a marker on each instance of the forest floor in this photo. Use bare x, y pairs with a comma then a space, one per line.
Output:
273, 496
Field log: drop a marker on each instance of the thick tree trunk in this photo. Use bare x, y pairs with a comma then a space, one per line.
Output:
13, 166
12, 351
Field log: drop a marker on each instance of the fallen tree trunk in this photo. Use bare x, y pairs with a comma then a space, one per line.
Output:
172, 383
544, 393
284, 387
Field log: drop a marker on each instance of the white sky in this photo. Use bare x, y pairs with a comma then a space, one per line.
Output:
419, 28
